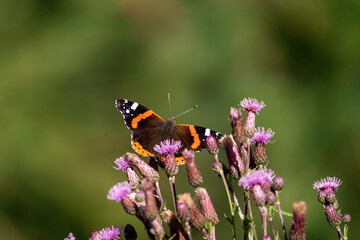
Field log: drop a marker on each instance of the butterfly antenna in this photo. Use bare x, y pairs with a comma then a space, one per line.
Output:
186, 111
169, 101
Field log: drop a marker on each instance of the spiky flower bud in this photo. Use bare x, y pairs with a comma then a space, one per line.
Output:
330, 197
237, 126
133, 178
332, 216
171, 166
266, 186
346, 218
298, 224
270, 199
258, 195
197, 219
260, 154
183, 211
212, 145
176, 229
129, 205
193, 173
147, 171
150, 201
278, 183
207, 208
236, 164
130, 232
322, 197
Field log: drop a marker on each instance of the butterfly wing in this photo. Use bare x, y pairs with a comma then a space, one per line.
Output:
194, 137
143, 123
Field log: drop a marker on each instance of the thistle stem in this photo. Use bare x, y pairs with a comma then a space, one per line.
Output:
270, 222
248, 215
158, 192
340, 234
188, 230
263, 220
173, 192
280, 214
225, 182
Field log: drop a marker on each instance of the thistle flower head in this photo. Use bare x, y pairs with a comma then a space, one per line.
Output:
169, 146
95, 235
235, 114
119, 191
278, 183
252, 104
257, 177
329, 183
122, 164
298, 224
145, 169
262, 137
346, 218
110, 233
70, 237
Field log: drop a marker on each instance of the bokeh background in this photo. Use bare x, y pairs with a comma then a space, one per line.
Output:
63, 63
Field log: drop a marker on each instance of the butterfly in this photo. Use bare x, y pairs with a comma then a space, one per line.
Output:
149, 129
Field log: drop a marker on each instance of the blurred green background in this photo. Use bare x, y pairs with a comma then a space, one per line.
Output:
63, 63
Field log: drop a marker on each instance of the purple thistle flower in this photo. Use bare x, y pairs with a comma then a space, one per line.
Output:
329, 183
257, 177
260, 136
119, 191
169, 146
70, 237
122, 164
110, 233
252, 104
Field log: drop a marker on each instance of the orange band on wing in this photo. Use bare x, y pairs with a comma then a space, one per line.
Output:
196, 138
138, 118
179, 160
140, 150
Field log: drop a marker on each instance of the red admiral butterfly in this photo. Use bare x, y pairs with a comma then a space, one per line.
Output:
148, 129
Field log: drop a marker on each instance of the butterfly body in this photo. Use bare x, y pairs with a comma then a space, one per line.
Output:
149, 129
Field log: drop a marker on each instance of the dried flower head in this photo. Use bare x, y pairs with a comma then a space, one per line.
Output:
197, 219
110, 233
169, 146
252, 104
237, 125
129, 205
119, 191
70, 237
207, 208
176, 229
183, 211
329, 183
298, 225
122, 164
262, 137
133, 178
236, 164
257, 177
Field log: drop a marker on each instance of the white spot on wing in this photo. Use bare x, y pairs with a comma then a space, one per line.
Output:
127, 111
134, 106
125, 100
207, 132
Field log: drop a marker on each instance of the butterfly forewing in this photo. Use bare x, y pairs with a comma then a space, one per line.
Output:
137, 116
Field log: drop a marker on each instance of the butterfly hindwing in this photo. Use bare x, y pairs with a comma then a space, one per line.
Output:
194, 137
